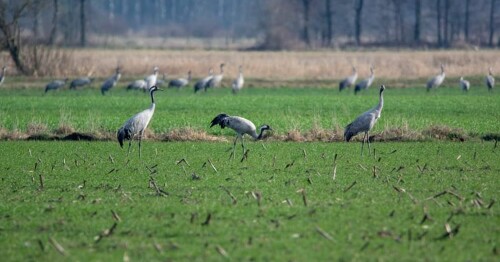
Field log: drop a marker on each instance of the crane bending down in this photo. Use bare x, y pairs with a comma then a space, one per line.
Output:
365, 122
490, 80
111, 82
437, 80
137, 124
464, 84
2, 77
138, 85
180, 82
80, 82
241, 126
202, 83
56, 84
349, 81
239, 81
365, 84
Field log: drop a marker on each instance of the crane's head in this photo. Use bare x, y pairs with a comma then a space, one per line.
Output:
382, 88
461, 78
156, 69
354, 69
442, 68
154, 88
489, 70
265, 127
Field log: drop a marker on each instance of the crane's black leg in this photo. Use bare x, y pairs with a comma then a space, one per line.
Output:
363, 143
368, 140
140, 139
234, 147
243, 145
129, 145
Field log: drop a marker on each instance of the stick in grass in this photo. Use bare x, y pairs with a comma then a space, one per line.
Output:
324, 234
213, 167
349, 187
57, 246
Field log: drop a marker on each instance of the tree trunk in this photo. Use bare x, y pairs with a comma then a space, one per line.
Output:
446, 23
466, 25
53, 31
328, 20
418, 15
36, 20
358, 9
305, 29
83, 37
438, 29
492, 23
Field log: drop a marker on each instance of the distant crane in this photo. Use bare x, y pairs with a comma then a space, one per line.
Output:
490, 80
162, 81
151, 79
80, 82
349, 81
111, 82
202, 83
437, 80
217, 79
241, 126
365, 84
180, 82
56, 84
239, 81
138, 85
2, 77
365, 122
137, 124
464, 84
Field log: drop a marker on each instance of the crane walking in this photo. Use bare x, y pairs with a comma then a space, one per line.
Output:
56, 84
239, 81
202, 83
365, 84
464, 84
137, 124
241, 126
151, 79
437, 80
111, 82
365, 122
349, 81
490, 80
80, 82
180, 82
217, 79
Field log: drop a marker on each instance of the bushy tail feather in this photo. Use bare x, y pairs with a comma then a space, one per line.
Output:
357, 89
218, 120
348, 134
342, 85
123, 134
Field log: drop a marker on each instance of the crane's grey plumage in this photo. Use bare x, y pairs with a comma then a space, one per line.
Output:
365, 122
239, 81
202, 83
216, 79
137, 124
490, 80
80, 82
56, 84
138, 85
111, 82
437, 80
241, 126
365, 84
151, 79
180, 82
349, 81
464, 84
2, 77
162, 81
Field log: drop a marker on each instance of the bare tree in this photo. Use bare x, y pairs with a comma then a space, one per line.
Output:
446, 22
305, 29
438, 27
83, 21
418, 16
358, 8
53, 31
466, 23
492, 23
328, 21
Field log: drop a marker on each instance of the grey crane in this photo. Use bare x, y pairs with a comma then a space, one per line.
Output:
2, 77
217, 79
56, 84
490, 80
365, 84
239, 81
350, 80
437, 80
111, 82
202, 83
137, 124
241, 126
80, 82
138, 85
162, 81
365, 122
464, 84
180, 82
151, 79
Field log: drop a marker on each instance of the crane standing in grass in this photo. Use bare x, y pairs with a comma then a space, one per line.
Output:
365, 84
365, 122
464, 84
137, 124
56, 84
111, 82
80, 82
180, 82
217, 79
349, 81
239, 81
241, 126
2, 77
202, 83
490, 80
151, 79
138, 85
437, 80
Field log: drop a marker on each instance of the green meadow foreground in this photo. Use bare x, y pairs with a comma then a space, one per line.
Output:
285, 201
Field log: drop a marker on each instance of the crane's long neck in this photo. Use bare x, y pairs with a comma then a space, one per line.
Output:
152, 98
380, 101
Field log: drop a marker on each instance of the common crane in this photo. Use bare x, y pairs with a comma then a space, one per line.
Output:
217, 79
365, 84
2, 77
202, 83
437, 80
490, 80
151, 79
137, 124
56, 84
464, 84
180, 82
138, 85
239, 81
241, 126
111, 82
162, 81
365, 122
349, 81
80, 82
